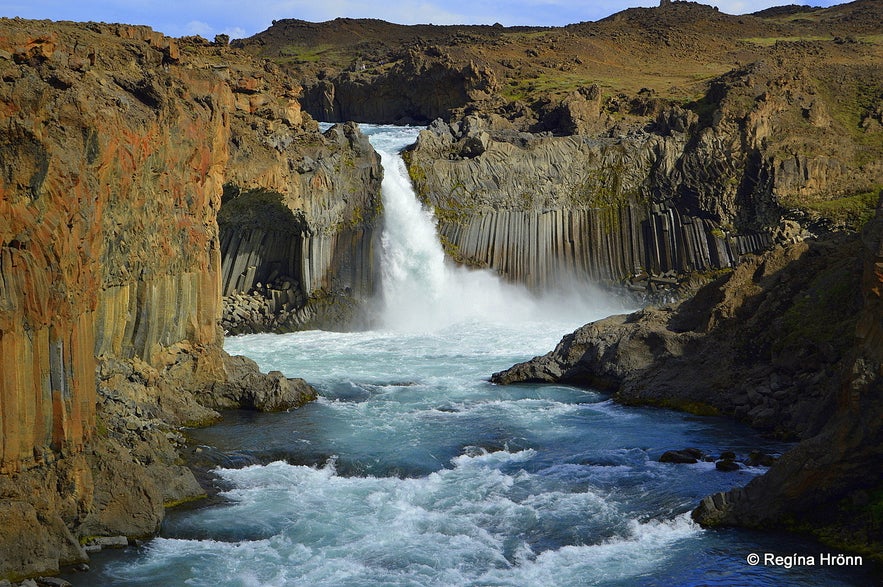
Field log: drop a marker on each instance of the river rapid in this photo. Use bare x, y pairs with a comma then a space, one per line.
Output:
411, 469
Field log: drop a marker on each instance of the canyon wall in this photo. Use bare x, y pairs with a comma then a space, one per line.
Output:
94, 153
830, 483
117, 146
299, 250
668, 193
109, 252
540, 208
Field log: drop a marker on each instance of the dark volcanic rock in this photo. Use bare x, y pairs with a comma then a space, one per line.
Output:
686, 456
814, 484
763, 343
727, 465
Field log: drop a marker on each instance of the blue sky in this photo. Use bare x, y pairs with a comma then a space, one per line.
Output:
241, 18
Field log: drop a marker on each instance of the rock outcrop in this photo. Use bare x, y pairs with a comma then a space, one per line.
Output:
830, 483
421, 87
675, 191
116, 144
298, 239
538, 209
789, 342
763, 343
389, 73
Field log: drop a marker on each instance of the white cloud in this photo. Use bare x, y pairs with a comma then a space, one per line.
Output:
235, 32
197, 27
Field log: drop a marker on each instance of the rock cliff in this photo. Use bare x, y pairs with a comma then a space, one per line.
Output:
830, 483
116, 147
539, 209
298, 239
686, 189
788, 342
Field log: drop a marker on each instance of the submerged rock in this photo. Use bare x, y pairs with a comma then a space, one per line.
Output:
727, 465
687, 456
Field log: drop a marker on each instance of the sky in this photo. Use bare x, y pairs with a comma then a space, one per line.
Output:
243, 18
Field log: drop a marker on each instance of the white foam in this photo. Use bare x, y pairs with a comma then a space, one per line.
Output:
466, 525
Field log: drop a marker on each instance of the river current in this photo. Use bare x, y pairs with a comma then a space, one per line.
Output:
411, 469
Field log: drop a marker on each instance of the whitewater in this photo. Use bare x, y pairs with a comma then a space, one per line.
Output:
411, 469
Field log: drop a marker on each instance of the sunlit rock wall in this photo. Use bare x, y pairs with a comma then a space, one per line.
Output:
108, 245
539, 209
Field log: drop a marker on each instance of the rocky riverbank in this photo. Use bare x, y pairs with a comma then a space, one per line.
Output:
790, 342
154, 188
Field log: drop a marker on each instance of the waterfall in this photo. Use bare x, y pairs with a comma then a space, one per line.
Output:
423, 290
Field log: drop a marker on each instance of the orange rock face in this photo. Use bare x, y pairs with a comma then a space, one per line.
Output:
116, 144
111, 178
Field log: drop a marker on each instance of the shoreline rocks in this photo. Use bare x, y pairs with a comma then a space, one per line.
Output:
747, 344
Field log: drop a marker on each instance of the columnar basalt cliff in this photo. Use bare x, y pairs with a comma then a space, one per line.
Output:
677, 192
116, 145
537, 209
298, 241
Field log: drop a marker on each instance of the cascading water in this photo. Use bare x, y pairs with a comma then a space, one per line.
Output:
412, 470
421, 289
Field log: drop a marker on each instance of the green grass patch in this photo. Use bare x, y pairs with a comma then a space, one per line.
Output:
849, 102
316, 54
542, 85
770, 41
850, 212
178, 502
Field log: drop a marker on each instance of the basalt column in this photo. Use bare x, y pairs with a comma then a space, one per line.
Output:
300, 252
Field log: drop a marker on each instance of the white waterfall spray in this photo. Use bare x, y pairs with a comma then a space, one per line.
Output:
424, 291
421, 289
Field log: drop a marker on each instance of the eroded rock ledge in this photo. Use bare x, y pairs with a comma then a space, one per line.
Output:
790, 342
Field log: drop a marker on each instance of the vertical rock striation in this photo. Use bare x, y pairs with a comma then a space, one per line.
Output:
93, 157
540, 249
116, 144
299, 251
539, 208
108, 250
